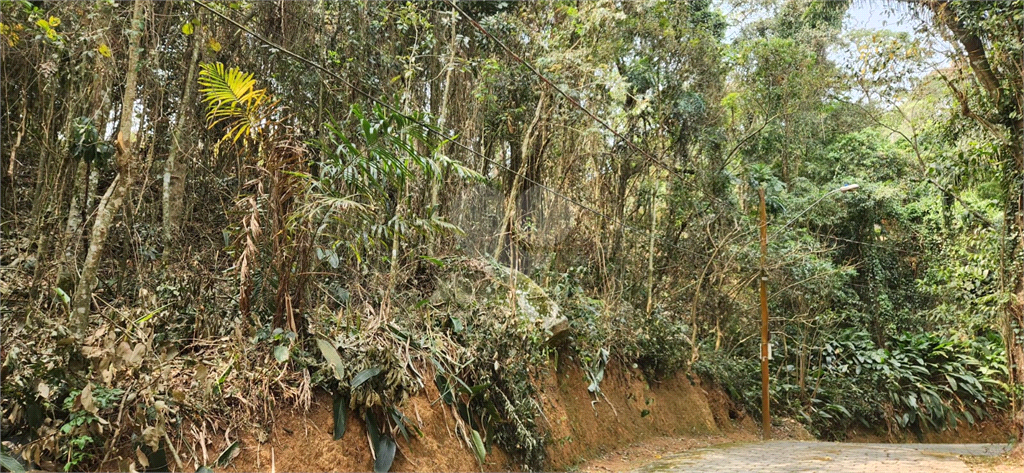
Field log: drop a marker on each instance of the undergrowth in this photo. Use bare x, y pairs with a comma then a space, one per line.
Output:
933, 381
482, 335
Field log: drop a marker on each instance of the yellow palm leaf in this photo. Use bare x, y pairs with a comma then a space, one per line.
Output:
231, 95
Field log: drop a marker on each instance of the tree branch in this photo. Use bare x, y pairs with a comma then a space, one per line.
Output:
972, 44
966, 110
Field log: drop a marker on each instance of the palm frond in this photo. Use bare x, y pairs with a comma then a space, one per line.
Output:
231, 96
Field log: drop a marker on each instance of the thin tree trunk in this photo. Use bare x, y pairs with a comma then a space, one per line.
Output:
86, 182
7, 201
72, 234
112, 201
650, 253
442, 113
40, 202
175, 169
1014, 319
510, 222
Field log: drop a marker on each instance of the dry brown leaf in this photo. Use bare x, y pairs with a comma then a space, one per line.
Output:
151, 437
107, 375
135, 357
87, 402
143, 460
124, 351
43, 390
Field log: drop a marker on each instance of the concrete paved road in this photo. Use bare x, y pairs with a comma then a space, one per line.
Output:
794, 456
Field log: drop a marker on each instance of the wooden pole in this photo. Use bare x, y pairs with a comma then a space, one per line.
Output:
766, 424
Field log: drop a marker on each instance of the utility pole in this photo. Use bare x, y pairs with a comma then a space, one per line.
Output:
766, 425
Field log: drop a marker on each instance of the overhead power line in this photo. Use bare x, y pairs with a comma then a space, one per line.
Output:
572, 100
453, 140
429, 128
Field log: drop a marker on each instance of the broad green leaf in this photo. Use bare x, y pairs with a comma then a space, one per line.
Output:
63, 295
151, 314
434, 261
385, 450
281, 353
363, 376
399, 419
187, 28
10, 464
384, 447
478, 446
444, 388
474, 390
340, 409
229, 453
372, 430
331, 354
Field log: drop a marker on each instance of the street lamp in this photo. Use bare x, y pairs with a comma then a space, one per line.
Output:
766, 425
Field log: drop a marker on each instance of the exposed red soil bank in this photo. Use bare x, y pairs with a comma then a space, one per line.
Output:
579, 426
630, 416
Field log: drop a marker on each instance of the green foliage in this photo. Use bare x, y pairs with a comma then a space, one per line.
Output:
384, 446
339, 410
929, 378
924, 380
81, 425
488, 351
862, 156
662, 346
10, 464
762, 175
86, 143
232, 98
738, 376
359, 199
658, 342
229, 453
371, 375
352, 241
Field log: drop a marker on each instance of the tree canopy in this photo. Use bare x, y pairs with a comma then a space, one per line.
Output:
337, 195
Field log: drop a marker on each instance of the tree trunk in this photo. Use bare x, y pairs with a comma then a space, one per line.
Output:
512, 245
1013, 327
72, 231
650, 251
442, 121
112, 201
174, 170
1005, 94
7, 200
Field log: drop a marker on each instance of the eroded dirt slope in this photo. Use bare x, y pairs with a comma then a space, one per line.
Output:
580, 425
631, 418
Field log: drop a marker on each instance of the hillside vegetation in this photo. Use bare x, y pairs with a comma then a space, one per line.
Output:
215, 210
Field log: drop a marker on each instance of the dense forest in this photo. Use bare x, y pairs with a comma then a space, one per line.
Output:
214, 209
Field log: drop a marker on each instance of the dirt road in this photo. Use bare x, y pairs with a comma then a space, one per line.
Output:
798, 456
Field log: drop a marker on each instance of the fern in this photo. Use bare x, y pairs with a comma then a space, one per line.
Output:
231, 96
